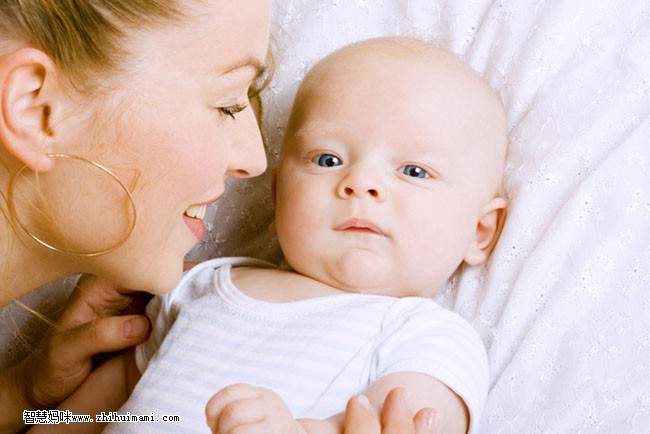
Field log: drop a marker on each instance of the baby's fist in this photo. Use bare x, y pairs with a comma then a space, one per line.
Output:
246, 409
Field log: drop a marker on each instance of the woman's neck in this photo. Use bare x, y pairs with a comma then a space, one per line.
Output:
24, 264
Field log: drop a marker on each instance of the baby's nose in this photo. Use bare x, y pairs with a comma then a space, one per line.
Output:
373, 192
360, 184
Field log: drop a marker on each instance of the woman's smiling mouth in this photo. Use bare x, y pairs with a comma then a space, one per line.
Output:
194, 215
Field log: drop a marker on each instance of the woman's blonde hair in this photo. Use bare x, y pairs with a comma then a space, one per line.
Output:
85, 38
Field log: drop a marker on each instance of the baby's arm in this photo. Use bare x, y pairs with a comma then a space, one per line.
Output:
105, 390
262, 410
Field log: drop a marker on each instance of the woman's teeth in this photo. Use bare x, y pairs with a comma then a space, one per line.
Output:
196, 211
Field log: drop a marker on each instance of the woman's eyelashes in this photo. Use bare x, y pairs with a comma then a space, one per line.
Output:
232, 110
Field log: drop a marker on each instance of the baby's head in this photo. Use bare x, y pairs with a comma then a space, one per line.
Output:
390, 172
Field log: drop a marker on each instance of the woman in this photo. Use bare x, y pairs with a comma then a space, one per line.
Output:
119, 122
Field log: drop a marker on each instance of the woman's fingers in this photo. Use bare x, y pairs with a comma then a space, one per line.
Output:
425, 421
64, 361
93, 297
102, 335
89, 324
360, 417
395, 415
87, 327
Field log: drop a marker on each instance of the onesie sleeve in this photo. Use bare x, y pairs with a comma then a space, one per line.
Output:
420, 336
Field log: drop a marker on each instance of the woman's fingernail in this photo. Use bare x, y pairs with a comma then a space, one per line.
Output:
431, 421
135, 328
363, 400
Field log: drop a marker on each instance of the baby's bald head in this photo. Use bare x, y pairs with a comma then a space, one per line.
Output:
468, 113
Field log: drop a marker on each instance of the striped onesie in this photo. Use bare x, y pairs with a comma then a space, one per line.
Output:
315, 353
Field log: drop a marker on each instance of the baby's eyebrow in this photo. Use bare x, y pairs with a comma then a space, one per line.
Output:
314, 127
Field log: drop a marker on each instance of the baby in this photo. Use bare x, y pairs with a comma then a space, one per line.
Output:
389, 178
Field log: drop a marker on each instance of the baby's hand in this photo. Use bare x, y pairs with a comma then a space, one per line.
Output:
251, 409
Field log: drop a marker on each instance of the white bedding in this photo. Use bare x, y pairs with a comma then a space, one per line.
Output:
563, 305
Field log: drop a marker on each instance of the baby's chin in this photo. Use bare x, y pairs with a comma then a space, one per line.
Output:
363, 272
360, 271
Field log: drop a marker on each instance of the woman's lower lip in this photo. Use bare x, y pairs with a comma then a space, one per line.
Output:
196, 226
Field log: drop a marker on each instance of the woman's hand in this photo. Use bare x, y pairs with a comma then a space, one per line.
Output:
88, 326
395, 418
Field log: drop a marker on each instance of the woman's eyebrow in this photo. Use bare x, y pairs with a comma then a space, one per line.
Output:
248, 62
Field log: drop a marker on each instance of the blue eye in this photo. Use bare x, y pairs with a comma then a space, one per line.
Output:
414, 171
327, 160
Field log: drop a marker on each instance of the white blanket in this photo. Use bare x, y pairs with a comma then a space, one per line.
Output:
563, 305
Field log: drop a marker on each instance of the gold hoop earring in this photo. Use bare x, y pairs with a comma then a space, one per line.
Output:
14, 214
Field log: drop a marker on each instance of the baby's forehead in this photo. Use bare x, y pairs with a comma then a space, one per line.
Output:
388, 65
400, 69
370, 55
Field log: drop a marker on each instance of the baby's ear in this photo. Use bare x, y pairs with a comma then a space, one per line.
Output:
488, 229
26, 106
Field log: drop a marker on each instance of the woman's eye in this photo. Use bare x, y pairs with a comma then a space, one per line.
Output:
232, 110
327, 160
414, 171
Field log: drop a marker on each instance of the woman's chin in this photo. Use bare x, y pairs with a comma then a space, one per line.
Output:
154, 277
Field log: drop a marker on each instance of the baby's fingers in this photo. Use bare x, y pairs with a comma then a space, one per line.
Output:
229, 404
244, 415
245, 409
222, 403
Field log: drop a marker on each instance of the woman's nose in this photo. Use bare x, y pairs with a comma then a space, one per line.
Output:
361, 183
248, 158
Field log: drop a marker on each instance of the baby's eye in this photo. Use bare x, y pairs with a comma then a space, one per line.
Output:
327, 160
414, 171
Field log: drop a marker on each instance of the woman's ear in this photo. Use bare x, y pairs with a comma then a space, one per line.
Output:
488, 229
26, 79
